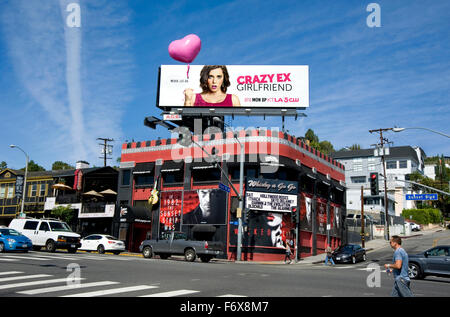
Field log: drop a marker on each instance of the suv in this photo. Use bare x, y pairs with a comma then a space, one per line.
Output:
49, 233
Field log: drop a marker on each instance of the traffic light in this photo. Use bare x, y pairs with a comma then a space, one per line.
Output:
294, 214
246, 215
374, 190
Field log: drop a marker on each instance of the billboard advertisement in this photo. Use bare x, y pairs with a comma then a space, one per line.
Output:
249, 86
204, 206
170, 210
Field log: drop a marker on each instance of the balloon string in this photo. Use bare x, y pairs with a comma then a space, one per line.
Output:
188, 71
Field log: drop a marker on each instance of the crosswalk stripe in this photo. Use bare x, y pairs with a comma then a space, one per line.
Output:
10, 272
112, 291
66, 287
54, 257
231, 295
172, 294
8, 260
26, 258
34, 283
15, 278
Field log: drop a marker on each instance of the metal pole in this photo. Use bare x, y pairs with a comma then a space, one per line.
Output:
363, 237
241, 203
386, 203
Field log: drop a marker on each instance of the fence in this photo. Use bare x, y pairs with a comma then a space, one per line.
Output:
374, 229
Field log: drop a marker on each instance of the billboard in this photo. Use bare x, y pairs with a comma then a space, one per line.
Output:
204, 206
249, 86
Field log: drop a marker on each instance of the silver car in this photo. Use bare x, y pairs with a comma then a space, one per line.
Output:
435, 261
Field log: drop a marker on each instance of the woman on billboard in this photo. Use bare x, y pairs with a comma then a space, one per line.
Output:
214, 81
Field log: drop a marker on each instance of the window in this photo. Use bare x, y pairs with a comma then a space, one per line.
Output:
126, 177
357, 165
358, 179
10, 192
391, 164
144, 179
371, 164
403, 164
30, 225
43, 190
172, 177
44, 226
33, 190
2, 191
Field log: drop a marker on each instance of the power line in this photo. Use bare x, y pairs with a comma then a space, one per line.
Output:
107, 149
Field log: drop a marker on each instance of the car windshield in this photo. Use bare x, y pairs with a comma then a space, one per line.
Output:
9, 232
345, 248
59, 226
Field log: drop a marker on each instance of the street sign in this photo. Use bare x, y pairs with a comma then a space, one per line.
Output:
421, 196
224, 187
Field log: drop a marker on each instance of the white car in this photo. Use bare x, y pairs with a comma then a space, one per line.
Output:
414, 226
102, 243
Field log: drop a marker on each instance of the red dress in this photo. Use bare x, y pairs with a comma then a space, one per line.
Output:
200, 102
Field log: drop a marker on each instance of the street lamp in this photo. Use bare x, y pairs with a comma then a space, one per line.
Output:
25, 179
241, 189
401, 129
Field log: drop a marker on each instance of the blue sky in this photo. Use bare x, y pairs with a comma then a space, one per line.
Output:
60, 90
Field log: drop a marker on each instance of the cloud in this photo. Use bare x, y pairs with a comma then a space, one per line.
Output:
78, 79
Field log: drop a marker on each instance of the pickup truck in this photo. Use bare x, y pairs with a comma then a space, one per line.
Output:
176, 243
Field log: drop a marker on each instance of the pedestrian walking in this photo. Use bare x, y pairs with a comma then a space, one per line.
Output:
288, 253
399, 268
329, 256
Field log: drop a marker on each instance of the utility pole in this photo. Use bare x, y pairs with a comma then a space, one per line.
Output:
363, 235
386, 203
107, 149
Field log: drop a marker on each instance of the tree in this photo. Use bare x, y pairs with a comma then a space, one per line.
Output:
326, 147
311, 136
3, 165
63, 213
33, 167
59, 165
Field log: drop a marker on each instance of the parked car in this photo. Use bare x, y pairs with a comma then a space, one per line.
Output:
349, 253
49, 233
177, 243
11, 240
415, 226
435, 261
102, 243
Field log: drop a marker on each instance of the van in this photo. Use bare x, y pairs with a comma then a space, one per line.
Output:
49, 233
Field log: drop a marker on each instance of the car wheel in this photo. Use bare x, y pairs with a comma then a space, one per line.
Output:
205, 259
50, 246
101, 249
2, 247
147, 252
414, 271
189, 255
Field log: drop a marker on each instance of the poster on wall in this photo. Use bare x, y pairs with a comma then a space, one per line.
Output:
321, 216
306, 212
337, 221
264, 229
249, 86
204, 206
170, 211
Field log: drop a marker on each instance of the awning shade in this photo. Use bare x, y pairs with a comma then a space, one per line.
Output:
171, 166
61, 187
144, 168
108, 192
93, 193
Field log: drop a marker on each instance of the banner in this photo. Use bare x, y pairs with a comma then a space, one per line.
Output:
170, 210
249, 86
204, 206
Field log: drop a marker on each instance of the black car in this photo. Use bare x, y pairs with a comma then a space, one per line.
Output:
349, 253
435, 261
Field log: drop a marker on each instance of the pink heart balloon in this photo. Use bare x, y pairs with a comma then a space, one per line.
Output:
186, 49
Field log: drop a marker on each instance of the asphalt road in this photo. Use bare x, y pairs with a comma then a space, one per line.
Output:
42, 274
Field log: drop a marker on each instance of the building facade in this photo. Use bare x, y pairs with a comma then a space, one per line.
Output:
400, 162
281, 173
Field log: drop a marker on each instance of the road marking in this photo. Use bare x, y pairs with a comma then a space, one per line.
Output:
15, 278
26, 258
26, 284
8, 260
10, 272
231, 295
66, 287
112, 291
172, 294
55, 257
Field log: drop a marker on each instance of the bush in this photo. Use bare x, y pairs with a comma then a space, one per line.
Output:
423, 216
